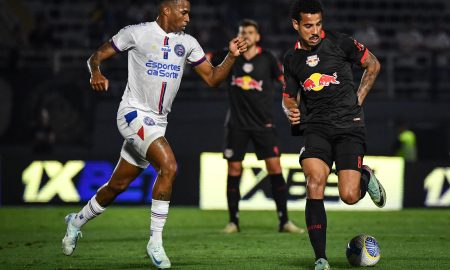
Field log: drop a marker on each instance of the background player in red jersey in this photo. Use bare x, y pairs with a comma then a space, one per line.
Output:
330, 115
251, 86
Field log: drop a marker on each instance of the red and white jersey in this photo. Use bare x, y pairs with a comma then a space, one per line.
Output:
156, 61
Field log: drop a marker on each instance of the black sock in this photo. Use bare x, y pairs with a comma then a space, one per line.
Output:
365, 177
279, 193
233, 197
316, 222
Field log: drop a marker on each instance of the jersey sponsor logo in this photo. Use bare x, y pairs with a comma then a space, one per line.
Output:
247, 83
179, 50
318, 81
312, 60
166, 49
247, 67
163, 70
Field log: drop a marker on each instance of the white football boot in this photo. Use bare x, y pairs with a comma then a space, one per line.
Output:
231, 228
69, 242
322, 264
158, 256
290, 227
375, 189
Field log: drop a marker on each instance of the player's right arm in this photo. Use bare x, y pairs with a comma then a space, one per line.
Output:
290, 95
98, 81
290, 107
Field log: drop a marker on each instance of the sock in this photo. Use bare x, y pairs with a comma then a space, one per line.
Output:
233, 197
279, 193
159, 212
89, 211
365, 177
316, 222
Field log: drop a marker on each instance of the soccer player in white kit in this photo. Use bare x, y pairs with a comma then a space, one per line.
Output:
157, 53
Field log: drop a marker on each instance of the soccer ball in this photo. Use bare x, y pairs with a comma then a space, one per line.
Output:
363, 250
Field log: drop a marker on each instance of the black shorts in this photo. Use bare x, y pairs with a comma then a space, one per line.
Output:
236, 142
346, 147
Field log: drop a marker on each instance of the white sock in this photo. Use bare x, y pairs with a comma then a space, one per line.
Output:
89, 211
159, 212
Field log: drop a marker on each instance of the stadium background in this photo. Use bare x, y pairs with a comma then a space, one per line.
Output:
44, 79
44, 75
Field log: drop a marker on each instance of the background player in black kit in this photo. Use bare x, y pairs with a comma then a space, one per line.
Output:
251, 87
329, 114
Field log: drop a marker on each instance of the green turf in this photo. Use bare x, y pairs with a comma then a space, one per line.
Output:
30, 238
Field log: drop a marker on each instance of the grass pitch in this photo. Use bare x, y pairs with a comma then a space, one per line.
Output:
30, 238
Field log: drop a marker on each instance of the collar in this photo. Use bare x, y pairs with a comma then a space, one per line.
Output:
259, 50
161, 31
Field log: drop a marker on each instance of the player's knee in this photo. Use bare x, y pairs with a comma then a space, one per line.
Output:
169, 170
315, 185
274, 169
234, 171
234, 168
350, 197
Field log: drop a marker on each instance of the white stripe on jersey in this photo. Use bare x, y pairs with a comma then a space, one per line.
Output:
156, 61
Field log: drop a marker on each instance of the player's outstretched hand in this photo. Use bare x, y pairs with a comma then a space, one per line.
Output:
293, 114
99, 82
237, 46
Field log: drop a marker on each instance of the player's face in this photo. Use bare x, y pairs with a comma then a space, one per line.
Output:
309, 28
250, 34
179, 15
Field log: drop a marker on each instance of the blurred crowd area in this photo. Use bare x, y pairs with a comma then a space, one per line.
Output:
44, 82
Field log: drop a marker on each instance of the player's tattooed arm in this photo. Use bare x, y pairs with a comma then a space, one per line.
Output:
213, 76
98, 81
372, 68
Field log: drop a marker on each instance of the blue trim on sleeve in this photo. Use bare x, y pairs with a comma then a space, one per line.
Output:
114, 46
194, 64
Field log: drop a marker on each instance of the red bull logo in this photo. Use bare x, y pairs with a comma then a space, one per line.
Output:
318, 81
247, 83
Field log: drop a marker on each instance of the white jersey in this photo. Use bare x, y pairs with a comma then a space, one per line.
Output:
156, 61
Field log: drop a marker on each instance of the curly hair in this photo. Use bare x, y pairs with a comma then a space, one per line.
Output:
305, 6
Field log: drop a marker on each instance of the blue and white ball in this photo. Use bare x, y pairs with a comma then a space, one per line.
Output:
363, 250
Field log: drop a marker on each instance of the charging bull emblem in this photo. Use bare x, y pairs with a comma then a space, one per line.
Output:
318, 81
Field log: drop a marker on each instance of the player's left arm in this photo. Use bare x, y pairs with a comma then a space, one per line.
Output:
214, 75
371, 67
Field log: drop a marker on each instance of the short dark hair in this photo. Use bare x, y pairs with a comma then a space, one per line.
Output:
161, 2
305, 6
249, 22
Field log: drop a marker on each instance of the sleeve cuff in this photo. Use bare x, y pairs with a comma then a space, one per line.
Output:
114, 46
194, 64
363, 58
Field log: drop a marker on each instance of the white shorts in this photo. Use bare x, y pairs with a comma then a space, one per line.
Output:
139, 129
